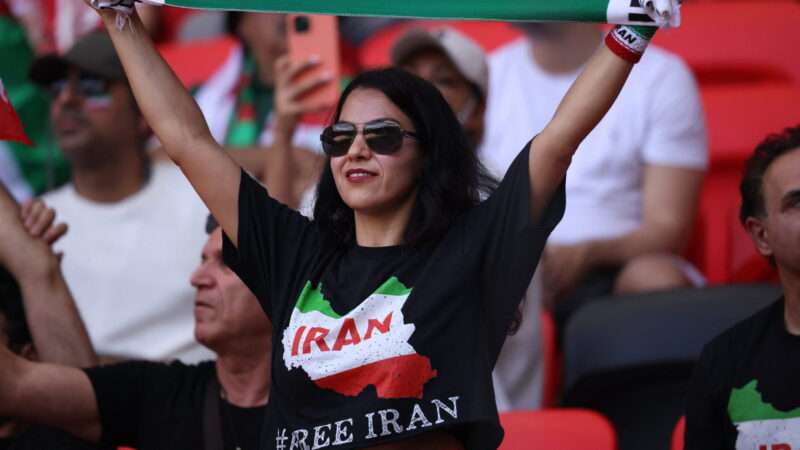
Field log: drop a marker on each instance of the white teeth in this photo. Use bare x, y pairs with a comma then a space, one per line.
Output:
359, 175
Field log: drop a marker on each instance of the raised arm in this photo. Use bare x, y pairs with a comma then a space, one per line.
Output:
48, 394
177, 121
58, 332
581, 109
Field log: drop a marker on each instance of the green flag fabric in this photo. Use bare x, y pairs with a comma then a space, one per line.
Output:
629, 12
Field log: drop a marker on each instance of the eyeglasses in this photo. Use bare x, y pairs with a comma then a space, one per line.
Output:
87, 86
383, 136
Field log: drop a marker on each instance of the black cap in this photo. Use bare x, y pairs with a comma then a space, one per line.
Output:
93, 53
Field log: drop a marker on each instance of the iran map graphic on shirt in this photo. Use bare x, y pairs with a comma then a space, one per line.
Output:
368, 346
761, 425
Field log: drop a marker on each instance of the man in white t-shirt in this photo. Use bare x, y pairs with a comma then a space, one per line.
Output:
135, 226
632, 189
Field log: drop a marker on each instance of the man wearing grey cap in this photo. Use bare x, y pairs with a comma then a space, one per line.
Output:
458, 67
135, 225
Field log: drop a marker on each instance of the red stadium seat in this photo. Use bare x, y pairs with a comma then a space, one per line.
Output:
677, 435
738, 41
490, 35
561, 429
194, 62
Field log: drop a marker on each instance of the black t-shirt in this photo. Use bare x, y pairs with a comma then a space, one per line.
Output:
745, 393
390, 342
154, 406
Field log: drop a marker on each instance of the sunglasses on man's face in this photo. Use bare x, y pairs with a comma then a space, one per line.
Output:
382, 136
86, 86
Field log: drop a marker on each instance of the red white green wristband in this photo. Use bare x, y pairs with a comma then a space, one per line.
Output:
629, 42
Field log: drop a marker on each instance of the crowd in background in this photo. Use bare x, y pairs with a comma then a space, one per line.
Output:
139, 259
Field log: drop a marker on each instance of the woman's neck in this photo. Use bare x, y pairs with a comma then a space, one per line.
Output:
383, 228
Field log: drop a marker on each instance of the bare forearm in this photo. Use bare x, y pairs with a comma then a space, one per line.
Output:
56, 327
48, 394
582, 108
279, 170
589, 98
178, 123
646, 240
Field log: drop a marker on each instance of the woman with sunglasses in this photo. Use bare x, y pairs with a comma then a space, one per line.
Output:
391, 306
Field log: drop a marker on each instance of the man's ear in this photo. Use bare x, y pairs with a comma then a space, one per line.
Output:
758, 232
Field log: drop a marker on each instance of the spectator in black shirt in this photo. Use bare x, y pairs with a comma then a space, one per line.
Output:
214, 405
744, 393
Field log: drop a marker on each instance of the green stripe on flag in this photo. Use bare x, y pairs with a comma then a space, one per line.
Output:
311, 299
747, 404
393, 286
613, 11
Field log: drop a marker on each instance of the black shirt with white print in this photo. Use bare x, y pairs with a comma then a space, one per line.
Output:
390, 342
744, 393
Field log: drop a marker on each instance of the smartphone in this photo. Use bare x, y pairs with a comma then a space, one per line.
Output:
316, 35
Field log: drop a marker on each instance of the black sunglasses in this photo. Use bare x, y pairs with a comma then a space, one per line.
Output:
87, 86
383, 136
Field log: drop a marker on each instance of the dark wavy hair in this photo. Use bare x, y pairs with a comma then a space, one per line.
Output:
452, 179
752, 186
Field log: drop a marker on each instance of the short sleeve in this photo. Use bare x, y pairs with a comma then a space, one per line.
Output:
275, 242
676, 132
122, 399
514, 243
705, 408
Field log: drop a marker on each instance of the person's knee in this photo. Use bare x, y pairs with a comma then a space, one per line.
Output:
650, 273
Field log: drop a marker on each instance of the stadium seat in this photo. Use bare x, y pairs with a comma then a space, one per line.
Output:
630, 357
557, 429
195, 61
677, 435
755, 32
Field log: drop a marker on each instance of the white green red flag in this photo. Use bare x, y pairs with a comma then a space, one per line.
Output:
367, 346
10, 126
630, 12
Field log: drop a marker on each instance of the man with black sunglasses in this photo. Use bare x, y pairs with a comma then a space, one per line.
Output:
140, 220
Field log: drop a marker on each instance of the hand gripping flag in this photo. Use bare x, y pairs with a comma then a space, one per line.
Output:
10, 125
628, 12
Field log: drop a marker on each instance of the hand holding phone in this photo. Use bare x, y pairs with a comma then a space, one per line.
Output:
313, 42
293, 94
